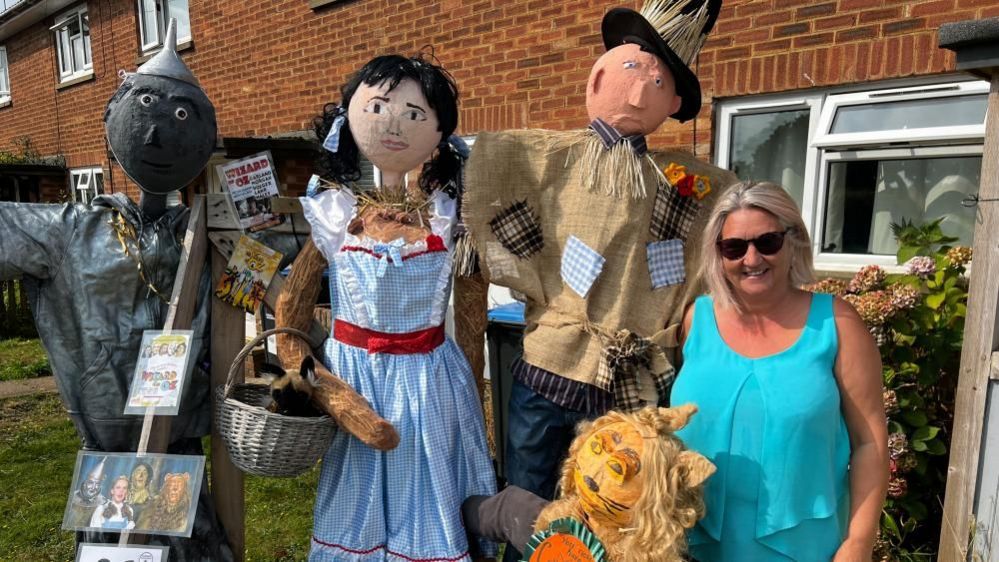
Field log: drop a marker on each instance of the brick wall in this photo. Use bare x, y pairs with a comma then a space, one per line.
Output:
270, 66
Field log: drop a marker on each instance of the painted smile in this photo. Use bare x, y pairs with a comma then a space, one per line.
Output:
157, 165
394, 145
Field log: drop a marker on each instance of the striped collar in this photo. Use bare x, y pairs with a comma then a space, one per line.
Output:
610, 136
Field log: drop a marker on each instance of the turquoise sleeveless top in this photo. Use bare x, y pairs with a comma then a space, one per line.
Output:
774, 429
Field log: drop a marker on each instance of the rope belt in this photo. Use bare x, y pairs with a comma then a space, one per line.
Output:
422, 341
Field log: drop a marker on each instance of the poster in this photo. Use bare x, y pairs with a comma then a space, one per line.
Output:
114, 492
248, 274
160, 373
93, 552
252, 185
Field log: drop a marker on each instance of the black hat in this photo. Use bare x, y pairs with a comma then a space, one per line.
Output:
674, 31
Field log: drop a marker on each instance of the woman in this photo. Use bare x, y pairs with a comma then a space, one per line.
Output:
115, 513
389, 256
788, 387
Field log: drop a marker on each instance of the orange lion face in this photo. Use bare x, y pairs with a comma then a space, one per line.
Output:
175, 487
608, 474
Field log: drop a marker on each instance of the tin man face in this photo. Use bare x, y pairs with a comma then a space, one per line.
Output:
161, 130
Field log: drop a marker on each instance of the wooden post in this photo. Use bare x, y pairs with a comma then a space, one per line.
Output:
980, 340
228, 335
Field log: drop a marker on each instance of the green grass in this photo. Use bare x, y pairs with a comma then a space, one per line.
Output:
38, 448
22, 359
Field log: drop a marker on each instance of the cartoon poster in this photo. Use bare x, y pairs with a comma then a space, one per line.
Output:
252, 185
248, 274
94, 552
160, 373
115, 492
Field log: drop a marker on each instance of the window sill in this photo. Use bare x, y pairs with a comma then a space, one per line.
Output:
314, 4
74, 81
4, 102
182, 46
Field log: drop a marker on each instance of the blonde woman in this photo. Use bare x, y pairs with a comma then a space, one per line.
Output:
788, 385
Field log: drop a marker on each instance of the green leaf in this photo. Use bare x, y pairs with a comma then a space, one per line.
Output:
888, 522
906, 253
919, 446
925, 433
915, 418
895, 427
934, 300
935, 447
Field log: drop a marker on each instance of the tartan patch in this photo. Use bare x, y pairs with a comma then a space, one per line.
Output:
581, 265
672, 213
518, 230
666, 262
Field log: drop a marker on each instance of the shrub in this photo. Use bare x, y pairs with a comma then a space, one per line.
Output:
917, 319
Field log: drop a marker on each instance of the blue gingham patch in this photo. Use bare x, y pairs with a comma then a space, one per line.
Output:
581, 266
666, 262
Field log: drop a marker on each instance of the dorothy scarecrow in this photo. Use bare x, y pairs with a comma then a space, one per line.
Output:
598, 234
390, 488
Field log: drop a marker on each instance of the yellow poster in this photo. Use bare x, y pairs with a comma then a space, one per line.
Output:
248, 274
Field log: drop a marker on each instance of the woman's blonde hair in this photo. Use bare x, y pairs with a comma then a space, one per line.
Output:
764, 196
672, 498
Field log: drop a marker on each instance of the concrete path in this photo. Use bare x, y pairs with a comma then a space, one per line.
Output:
9, 389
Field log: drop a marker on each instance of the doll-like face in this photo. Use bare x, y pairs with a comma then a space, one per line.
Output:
140, 476
608, 472
120, 490
631, 90
395, 129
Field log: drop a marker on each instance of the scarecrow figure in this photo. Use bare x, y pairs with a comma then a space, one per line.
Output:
99, 275
390, 489
598, 234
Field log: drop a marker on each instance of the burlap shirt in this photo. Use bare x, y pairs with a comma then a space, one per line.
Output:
515, 181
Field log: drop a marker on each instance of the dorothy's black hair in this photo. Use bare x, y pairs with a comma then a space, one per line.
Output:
443, 170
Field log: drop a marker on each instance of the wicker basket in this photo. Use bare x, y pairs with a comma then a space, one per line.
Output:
261, 442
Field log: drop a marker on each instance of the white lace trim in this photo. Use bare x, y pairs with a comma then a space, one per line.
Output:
328, 214
443, 216
439, 304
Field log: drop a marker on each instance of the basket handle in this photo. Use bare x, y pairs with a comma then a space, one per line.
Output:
248, 348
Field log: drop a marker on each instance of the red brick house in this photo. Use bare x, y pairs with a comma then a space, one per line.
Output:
848, 103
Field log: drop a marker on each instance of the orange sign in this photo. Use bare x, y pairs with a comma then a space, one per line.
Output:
561, 548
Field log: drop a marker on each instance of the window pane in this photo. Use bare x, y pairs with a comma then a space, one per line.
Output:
98, 182
771, 147
78, 56
150, 23
178, 9
65, 64
4, 79
865, 197
910, 114
86, 41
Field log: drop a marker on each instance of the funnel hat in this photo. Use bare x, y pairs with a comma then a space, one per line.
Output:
674, 31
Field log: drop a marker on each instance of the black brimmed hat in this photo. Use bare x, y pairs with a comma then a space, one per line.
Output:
674, 31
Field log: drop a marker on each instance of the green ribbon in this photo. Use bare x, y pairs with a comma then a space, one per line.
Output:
567, 526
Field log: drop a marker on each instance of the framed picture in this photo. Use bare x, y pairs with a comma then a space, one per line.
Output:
160, 373
93, 552
248, 274
252, 185
154, 494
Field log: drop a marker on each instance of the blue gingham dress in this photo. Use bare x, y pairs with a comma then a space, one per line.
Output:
402, 505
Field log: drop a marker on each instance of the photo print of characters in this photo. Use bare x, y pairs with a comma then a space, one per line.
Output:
246, 277
97, 552
160, 374
152, 494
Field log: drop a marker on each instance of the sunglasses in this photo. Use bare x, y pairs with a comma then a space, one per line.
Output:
767, 244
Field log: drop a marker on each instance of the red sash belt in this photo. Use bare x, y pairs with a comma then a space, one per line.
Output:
423, 341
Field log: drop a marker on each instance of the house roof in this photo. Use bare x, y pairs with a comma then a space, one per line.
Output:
976, 43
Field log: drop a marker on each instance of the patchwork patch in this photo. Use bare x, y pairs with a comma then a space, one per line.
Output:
517, 229
500, 262
672, 214
666, 263
581, 265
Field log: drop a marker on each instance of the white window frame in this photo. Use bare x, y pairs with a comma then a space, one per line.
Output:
825, 148
4, 76
148, 42
64, 42
81, 182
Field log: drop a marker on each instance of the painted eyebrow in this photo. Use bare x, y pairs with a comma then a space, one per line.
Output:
380, 98
416, 107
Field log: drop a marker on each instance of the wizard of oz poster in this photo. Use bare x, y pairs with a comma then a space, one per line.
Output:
248, 274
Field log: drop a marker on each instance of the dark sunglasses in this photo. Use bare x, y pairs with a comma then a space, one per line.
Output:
767, 244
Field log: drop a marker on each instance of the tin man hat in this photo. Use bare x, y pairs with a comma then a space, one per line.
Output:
674, 31
167, 62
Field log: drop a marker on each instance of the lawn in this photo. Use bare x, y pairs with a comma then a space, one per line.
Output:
22, 359
38, 448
